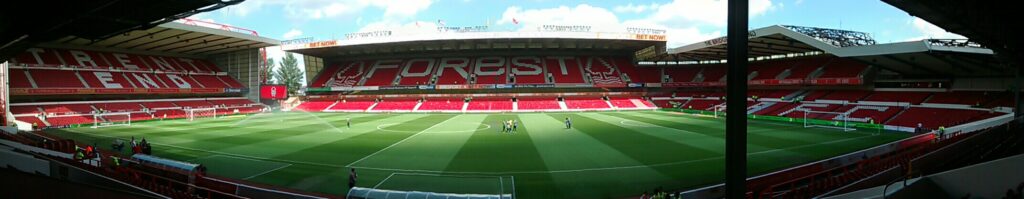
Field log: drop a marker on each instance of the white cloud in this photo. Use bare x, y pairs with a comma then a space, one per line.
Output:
931, 31
599, 19
635, 8
410, 28
682, 20
319, 9
291, 34
703, 11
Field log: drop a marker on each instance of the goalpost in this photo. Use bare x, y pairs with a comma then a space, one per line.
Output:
111, 119
839, 120
201, 113
719, 110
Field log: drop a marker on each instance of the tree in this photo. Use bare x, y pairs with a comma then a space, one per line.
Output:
268, 71
288, 73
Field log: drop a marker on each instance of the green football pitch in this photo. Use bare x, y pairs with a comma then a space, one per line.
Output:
604, 155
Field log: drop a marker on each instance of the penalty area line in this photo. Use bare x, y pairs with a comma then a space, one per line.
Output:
268, 171
396, 143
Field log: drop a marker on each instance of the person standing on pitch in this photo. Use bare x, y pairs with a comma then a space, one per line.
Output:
352, 176
515, 125
568, 123
348, 122
504, 126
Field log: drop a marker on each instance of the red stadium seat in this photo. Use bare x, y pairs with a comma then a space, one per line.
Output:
352, 105
314, 106
682, 74
843, 68
396, 105
382, 72
585, 103
417, 68
491, 104
564, 70
538, 104
452, 104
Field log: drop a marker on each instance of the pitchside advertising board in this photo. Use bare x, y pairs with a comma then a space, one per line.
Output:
273, 92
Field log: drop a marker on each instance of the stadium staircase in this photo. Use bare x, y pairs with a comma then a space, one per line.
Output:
639, 103
561, 104
371, 106
465, 105
332, 105
418, 105
515, 105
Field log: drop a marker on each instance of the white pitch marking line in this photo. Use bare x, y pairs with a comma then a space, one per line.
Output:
396, 143
268, 171
382, 181
493, 173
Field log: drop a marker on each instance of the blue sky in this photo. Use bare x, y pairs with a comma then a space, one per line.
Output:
686, 21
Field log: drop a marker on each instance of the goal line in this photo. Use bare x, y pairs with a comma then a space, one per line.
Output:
833, 120
198, 113
111, 119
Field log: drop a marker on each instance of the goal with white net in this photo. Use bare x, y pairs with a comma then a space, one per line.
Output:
198, 113
719, 110
833, 120
111, 119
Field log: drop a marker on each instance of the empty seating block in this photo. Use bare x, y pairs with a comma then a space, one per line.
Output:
231, 102
668, 103
907, 97
352, 105
932, 118
69, 120
682, 74
119, 107
484, 104
442, 105
700, 104
396, 105
31, 120
25, 109
314, 106
586, 103
843, 68
155, 105
194, 104
68, 109
538, 104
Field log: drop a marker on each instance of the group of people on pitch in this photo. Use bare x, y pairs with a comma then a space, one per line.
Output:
142, 147
510, 126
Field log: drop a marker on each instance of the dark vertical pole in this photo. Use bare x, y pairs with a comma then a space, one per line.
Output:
736, 102
1016, 91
